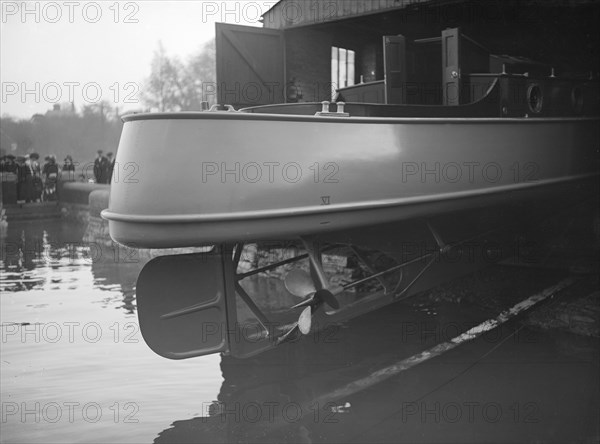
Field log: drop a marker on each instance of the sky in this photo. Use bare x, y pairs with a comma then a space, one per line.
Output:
86, 51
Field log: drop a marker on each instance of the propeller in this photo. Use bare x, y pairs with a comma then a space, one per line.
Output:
299, 283
315, 290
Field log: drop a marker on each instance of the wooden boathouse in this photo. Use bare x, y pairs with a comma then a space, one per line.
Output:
408, 52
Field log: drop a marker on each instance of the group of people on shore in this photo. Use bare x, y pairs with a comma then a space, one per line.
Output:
35, 183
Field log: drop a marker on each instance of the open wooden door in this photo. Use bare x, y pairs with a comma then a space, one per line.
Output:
250, 65
451, 52
462, 57
394, 62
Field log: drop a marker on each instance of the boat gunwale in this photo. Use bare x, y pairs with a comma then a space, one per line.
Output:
336, 208
240, 115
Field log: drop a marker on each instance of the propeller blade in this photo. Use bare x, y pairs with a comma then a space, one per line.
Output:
305, 321
305, 303
327, 297
288, 335
299, 283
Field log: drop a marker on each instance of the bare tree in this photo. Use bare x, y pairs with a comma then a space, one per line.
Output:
177, 86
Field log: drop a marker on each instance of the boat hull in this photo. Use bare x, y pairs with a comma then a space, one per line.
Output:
199, 178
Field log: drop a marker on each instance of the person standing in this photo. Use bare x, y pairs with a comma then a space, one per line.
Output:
100, 166
9, 180
37, 185
45, 166
23, 180
110, 167
50, 179
68, 169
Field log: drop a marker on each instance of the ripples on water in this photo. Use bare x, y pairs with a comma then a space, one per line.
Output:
76, 369
71, 344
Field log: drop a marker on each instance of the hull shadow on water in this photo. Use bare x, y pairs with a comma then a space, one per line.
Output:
513, 384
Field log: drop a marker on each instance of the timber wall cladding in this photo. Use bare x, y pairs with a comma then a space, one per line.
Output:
288, 13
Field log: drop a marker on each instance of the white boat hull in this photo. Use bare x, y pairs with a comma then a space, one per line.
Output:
198, 178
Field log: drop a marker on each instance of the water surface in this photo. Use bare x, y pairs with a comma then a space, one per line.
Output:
76, 369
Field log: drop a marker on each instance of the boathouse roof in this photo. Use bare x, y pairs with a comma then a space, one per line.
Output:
291, 13
296, 13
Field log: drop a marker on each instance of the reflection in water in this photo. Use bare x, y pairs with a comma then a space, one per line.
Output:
70, 337
44, 254
110, 274
34, 253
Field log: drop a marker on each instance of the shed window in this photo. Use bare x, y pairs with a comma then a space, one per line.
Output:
342, 67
